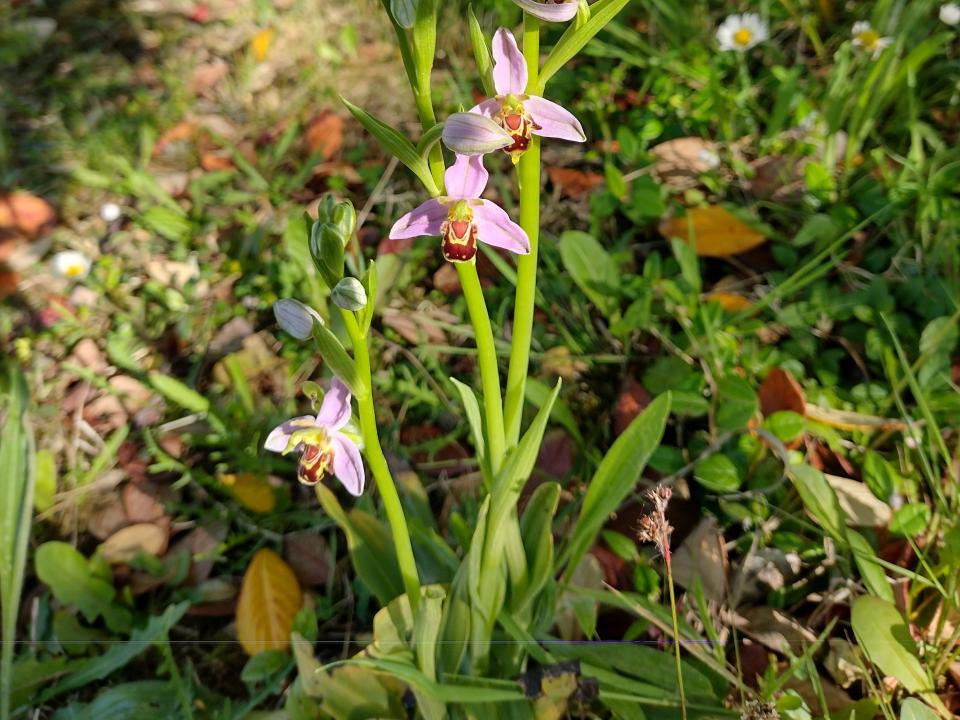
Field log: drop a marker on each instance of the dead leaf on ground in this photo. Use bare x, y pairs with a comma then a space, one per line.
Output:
9, 280
774, 629
307, 553
125, 544
143, 501
214, 161
703, 556
559, 361
861, 507
183, 130
269, 600
260, 45
202, 543
105, 515
714, 230
207, 75
251, 491
416, 326
781, 391
574, 183
25, 215
731, 302
852, 421
324, 134
632, 401
680, 162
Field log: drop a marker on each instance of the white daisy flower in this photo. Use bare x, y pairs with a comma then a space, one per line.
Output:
71, 264
869, 39
950, 13
742, 32
109, 212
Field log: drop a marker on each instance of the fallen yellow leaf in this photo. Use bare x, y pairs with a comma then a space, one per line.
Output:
269, 600
714, 230
261, 44
125, 544
731, 302
252, 491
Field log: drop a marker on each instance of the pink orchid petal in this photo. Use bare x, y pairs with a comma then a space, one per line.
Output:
335, 410
466, 178
494, 227
347, 463
488, 108
509, 67
423, 220
551, 12
554, 121
279, 437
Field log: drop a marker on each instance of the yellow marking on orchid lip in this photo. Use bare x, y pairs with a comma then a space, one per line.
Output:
316, 436
73, 271
742, 36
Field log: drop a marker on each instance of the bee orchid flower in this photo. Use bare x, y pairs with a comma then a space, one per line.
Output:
517, 112
462, 217
323, 448
550, 10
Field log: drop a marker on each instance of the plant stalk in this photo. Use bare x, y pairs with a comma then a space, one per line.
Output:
676, 633
529, 180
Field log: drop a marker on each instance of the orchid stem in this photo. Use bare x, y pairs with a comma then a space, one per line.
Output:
487, 355
529, 178
378, 465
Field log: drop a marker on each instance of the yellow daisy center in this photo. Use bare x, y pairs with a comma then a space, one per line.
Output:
869, 39
743, 36
73, 271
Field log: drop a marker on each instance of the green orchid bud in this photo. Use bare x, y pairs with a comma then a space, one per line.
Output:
344, 217
349, 294
326, 248
325, 209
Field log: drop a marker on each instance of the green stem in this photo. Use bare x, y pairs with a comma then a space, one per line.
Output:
676, 635
378, 465
529, 177
487, 355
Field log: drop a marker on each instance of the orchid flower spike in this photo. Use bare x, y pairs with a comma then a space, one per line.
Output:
323, 448
518, 113
462, 217
550, 10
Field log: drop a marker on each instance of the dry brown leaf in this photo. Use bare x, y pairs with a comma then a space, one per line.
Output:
269, 600
774, 629
703, 555
714, 230
183, 130
631, 402
680, 162
125, 544
414, 326
731, 302
214, 161
202, 543
324, 134
206, 76
9, 280
307, 554
861, 507
142, 501
781, 391
574, 183
24, 214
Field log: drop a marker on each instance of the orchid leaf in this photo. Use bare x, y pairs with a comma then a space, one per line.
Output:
576, 36
471, 407
395, 144
481, 52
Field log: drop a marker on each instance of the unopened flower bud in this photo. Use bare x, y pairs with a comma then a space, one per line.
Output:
468, 133
326, 249
325, 209
349, 294
296, 318
345, 218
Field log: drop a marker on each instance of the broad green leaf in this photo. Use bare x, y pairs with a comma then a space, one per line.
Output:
785, 425
736, 403
615, 478
395, 144
910, 520
576, 36
592, 269
139, 699
820, 499
885, 639
718, 473
913, 709
879, 475
870, 570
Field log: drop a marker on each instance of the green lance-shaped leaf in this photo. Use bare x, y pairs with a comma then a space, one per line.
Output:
576, 36
820, 499
536, 528
395, 144
369, 282
336, 357
615, 478
471, 407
